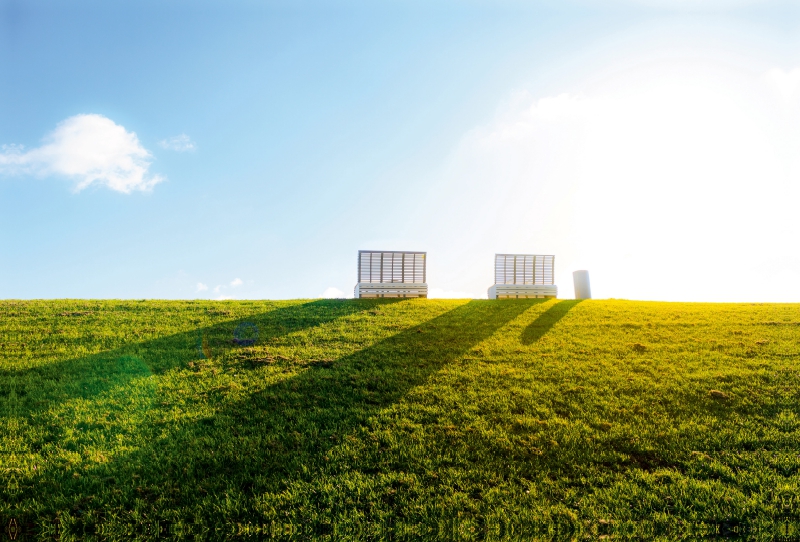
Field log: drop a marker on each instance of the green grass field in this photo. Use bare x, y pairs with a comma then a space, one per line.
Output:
367, 419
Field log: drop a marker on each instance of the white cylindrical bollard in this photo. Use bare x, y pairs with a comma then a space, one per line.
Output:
581, 281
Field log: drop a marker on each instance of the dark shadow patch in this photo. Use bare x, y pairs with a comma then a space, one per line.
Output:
547, 320
270, 438
649, 460
36, 388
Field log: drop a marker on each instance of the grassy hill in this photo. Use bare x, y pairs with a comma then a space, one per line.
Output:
363, 418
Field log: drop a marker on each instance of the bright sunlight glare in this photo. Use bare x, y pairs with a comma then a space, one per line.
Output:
671, 180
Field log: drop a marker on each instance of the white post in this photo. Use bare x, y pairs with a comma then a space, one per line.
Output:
581, 281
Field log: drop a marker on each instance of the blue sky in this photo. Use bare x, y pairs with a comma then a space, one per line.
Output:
249, 149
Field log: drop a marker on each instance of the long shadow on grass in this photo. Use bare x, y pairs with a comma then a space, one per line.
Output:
38, 388
117, 378
547, 320
262, 442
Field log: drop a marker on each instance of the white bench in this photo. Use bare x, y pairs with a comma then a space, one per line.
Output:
388, 273
522, 276
387, 289
505, 291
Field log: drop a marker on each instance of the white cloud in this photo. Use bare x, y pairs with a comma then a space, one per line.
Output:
223, 298
672, 183
90, 149
233, 284
179, 143
333, 293
201, 287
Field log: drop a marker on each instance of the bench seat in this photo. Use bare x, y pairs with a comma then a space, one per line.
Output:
391, 289
523, 291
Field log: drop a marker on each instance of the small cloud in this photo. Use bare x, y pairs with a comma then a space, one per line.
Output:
179, 143
333, 293
223, 298
201, 287
236, 282
217, 288
91, 149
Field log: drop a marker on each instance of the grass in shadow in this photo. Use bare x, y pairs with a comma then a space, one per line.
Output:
260, 440
546, 321
422, 413
23, 392
51, 413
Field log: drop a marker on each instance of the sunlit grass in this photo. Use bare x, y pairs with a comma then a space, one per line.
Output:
348, 418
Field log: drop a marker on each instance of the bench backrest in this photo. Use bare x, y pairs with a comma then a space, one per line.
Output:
523, 269
391, 266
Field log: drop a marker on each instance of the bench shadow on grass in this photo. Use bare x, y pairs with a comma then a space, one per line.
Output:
39, 388
44, 398
547, 320
262, 442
